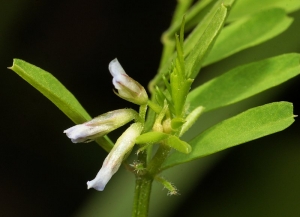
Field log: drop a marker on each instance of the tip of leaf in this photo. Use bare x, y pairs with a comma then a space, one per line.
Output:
227, 3
11, 67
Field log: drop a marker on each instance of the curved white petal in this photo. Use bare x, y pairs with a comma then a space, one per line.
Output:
114, 159
115, 68
77, 133
128, 88
100, 125
102, 178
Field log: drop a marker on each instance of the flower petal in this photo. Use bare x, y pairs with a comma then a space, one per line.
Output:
102, 178
100, 125
128, 88
114, 159
115, 68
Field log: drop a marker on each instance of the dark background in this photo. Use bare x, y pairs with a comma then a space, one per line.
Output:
43, 174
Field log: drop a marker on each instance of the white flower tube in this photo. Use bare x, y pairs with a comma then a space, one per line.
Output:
114, 159
100, 125
128, 88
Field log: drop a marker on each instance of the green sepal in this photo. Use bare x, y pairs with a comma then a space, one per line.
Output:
179, 145
155, 107
159, 96
191, 119
169, 140
179, 82
167, 84
180, 90
150, 138
177, 123
179, 63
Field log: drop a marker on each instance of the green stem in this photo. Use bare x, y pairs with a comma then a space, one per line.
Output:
142, 190
168, 185
158, 159
181, 8
143, 186
142, 112
168, 49
144, 181
156, 108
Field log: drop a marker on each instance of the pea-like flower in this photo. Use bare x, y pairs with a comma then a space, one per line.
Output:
128, 88
114, 159
100, 125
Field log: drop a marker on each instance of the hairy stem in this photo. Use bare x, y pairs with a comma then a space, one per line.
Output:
143, 186
158, 159
144, 181
142, 190
142, 112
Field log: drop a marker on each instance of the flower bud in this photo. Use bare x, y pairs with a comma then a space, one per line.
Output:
128, 88
100, 125
114, 159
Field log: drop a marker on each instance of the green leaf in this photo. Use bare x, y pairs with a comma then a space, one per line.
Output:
249, 125
246, 7
167, 37
193, 13
195, 16
197, 32
207, 23
51, 88
248, 32
245, 81
197, 55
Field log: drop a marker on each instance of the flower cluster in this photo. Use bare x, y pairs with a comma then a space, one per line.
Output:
127, 89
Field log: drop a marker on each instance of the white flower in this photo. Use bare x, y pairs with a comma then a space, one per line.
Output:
114, 159
128, 88
100, 125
